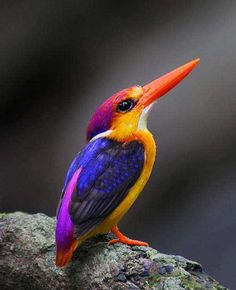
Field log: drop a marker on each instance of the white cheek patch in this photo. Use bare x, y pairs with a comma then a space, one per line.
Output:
142, 123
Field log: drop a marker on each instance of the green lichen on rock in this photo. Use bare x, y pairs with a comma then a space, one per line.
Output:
27, 254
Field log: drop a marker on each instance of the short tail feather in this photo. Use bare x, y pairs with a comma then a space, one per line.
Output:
63, 257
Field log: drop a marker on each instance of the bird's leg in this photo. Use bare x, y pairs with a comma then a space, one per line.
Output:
123, 239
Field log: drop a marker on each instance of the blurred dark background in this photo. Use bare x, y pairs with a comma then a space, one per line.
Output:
60, 59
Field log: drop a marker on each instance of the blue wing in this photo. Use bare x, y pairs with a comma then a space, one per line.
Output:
109, 170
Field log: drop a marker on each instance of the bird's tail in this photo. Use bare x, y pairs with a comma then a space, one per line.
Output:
63, 256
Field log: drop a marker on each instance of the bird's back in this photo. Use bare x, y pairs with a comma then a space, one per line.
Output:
145, 138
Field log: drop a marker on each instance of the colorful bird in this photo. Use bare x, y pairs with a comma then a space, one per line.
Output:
109, 173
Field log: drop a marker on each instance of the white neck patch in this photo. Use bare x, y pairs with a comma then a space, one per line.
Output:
142, 123
103, 134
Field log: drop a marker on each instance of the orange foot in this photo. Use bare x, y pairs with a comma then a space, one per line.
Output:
123, 239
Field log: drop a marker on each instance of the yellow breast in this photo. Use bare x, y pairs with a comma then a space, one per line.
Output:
146, 138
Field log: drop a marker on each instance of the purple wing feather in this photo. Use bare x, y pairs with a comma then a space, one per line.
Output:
65, 226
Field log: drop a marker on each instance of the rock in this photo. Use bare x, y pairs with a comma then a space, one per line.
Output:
27, 254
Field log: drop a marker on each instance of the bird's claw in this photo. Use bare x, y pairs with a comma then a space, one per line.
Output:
128, 241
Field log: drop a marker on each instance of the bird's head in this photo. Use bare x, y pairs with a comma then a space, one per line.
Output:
125, 112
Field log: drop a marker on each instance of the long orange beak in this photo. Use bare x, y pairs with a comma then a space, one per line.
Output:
162, 85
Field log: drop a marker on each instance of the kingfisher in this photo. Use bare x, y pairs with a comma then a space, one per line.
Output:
108, 174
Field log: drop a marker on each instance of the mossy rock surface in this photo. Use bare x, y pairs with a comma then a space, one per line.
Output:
27, 254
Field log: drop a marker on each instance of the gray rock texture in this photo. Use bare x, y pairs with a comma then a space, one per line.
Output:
27, 254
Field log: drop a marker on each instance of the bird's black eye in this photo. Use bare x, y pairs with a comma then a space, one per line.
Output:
125, 106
